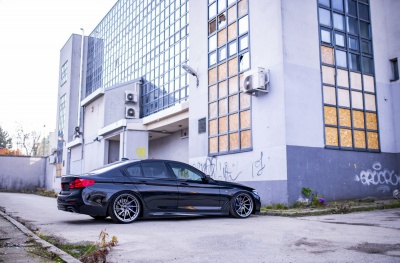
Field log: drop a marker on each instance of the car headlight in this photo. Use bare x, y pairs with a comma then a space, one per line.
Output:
255, 192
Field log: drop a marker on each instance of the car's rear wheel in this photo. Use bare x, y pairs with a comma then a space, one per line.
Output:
124, 208
241, 205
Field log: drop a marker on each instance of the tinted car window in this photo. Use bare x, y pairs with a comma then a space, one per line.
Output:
154, 170
185, 172
134, 171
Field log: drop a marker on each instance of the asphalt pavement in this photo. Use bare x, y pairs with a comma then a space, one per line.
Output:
356, 237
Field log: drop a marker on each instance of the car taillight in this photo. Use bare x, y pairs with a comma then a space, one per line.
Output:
81, 183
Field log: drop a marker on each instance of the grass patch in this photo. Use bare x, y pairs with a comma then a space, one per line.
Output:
75, 250
37, 249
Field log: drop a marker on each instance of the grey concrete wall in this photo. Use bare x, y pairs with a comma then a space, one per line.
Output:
171, 147
19, 173
341, 174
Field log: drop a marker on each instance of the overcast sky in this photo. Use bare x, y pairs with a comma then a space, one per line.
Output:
32, 33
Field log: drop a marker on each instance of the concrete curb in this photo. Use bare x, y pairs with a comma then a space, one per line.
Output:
63, 255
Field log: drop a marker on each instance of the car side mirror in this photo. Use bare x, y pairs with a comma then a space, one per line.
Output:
206, 179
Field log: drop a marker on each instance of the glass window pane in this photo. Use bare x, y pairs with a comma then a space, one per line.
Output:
342, 78
221, 6
222, 89
242, 8
212, 43
341, 58
221, 20
212, 27
355, 80
212, 10
370, 102
328, 75
232, 48
369, 83
232, 14
243, 25
213, 58
325, 17
221, 53
339, 40
338, 21
352, 25
324, 2
363, 11
366, 47
337, 5
365, 30
353, 43
243, 42
244, 61
351, 7
368, 65
354, 62
326, 36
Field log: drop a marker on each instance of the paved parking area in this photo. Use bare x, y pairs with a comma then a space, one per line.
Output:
365, 236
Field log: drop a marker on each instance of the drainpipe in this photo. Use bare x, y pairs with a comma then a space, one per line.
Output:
79, 101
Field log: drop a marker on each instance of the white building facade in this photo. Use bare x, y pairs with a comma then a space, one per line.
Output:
281, 95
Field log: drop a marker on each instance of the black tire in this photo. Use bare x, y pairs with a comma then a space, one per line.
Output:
242, 205
99, 217
124, 208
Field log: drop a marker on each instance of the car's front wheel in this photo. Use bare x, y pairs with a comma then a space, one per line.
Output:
124, 208
241, 205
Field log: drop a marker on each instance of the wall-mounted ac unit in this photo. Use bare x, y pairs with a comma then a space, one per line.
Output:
256, 80
130, 112
52, 159
131, 96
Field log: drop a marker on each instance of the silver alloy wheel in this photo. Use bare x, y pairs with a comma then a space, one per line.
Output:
243, 205
126, 208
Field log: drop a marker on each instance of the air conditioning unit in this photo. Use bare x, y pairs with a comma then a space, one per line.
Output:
52, 159
131, 96
256, 80
130, 113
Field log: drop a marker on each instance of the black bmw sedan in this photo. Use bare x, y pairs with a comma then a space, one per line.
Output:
127, 190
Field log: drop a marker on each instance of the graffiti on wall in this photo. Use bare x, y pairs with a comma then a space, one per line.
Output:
231, 171
141, 152
378, 176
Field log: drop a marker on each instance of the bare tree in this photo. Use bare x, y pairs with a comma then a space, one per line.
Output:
28, 140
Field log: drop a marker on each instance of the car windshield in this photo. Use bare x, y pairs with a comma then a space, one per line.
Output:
108, 167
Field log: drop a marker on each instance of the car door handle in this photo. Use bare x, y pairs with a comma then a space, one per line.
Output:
142, 182
184, 184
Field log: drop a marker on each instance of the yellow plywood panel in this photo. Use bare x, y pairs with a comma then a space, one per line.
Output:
223, 107
331, 136
233, 85
234, 141
233, 66
212, 109
234, 122
245, 139
213, 127
244, 100
329, 95
245, 119
212, 93
212, 75
212, 144
223, 143
243, 7
372, 123
232, 14
330, 115
345, 138
223, 125
355, 80
344, 116
232, 31
222, 71
343, 78
327, 55
358, 119
222, 89
328, 75
373, 142
359, 139
233, 103
369, 83
222, 37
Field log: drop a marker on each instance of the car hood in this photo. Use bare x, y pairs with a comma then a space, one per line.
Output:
234, 185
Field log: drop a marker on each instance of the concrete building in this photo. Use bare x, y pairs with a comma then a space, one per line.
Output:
279, 95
